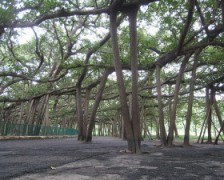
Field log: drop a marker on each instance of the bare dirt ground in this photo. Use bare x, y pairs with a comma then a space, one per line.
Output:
102, 159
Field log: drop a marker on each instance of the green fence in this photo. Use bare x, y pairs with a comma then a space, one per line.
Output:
12, 129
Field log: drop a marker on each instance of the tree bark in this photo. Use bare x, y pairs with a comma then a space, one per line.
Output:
79, 84
190, 100
175, 101
120, 82
186, 26
210, 115
96, 104
160, 104
206, 118
86, 113
217, 137
79, 111
216, 108
143, 119
135, 116
170, 104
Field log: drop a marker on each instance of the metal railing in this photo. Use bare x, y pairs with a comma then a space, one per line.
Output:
12, 129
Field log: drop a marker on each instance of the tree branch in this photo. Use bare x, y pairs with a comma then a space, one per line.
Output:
60, 13
186, 26
201, 16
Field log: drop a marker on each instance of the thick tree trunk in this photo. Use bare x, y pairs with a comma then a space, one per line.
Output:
170, 104
216, 108
120, 82
143, 120
31, 116
176, 131
175, 101
160, 104
96, 104
221, 122
210, 115
170, 112
86, 113
119, 123
190, 100
79, 84
43, 114
79, 111
123, 135
36, 115
157, 128
134, 68
21, 107
204, 122
114, 128
132, 124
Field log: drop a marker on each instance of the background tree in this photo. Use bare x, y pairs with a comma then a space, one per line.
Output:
53, 76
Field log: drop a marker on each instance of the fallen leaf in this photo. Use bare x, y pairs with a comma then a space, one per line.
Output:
53, 168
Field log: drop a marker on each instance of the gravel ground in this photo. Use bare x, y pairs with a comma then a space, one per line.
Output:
102, 159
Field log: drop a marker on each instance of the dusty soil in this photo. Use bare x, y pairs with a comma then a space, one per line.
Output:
102, 159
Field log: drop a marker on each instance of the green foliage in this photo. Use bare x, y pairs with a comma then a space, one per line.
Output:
146, 56
57, 59
6, 11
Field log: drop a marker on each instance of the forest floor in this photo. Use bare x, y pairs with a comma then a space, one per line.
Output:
104, 159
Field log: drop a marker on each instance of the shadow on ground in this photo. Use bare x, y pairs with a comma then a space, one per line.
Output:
103, 159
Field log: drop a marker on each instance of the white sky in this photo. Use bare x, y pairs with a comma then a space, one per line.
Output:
26, 34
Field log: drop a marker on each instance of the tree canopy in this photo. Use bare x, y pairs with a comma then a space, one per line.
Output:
85, 64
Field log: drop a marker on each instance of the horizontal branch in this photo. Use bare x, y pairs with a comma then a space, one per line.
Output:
58, 14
